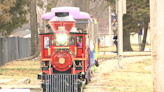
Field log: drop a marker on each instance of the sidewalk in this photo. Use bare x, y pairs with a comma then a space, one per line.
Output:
6, 79
19, 86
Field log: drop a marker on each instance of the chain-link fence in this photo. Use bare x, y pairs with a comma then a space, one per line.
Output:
14, 48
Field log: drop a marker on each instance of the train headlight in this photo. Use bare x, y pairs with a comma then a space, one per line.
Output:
61, 39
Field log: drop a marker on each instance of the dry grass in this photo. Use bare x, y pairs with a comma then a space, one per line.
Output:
135, 47
20, 69
131, 79
134, 78
107, 48
124, 54
106, 56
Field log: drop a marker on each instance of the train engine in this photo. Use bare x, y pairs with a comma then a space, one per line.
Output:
63, 60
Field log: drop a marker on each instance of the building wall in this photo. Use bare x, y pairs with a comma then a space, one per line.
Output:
134, 38
104, 39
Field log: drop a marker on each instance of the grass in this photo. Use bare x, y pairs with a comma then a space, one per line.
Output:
106, 56
134, 78
111, 56
124, 55
20, 69
135, 47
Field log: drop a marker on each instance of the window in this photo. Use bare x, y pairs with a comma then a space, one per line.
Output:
79, 41
52, 40
46, 42
79, 46
72, 40
61, 39
102, 38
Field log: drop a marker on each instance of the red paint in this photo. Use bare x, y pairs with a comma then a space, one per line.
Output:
62, 54
51, 70
67, 24
74, 71
79, 51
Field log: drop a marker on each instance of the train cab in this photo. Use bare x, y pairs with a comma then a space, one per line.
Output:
77, 47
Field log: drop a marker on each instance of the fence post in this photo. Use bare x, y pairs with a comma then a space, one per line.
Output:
0, 51
4, 51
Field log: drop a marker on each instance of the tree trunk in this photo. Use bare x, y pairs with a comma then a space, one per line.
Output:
126, 42
144, 37
33, 26
157, 32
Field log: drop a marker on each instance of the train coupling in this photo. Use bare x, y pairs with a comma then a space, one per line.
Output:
39, 76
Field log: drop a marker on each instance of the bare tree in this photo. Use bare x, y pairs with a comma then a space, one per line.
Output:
33, 26
157, 30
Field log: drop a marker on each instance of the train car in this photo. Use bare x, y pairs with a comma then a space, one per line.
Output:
66, 53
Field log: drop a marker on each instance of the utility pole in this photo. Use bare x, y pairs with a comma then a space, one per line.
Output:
157, 43
110, 31
120, 36
120, 10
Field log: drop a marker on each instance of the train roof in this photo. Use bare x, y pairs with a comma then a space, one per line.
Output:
73, 11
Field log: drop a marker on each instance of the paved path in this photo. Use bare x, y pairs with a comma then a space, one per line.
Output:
19, 86
5, 80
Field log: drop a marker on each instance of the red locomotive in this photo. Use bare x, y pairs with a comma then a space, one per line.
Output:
65, 54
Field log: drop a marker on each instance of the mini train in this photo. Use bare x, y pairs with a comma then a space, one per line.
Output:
67, 55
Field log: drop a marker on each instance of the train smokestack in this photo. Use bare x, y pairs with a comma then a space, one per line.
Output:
62, 19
